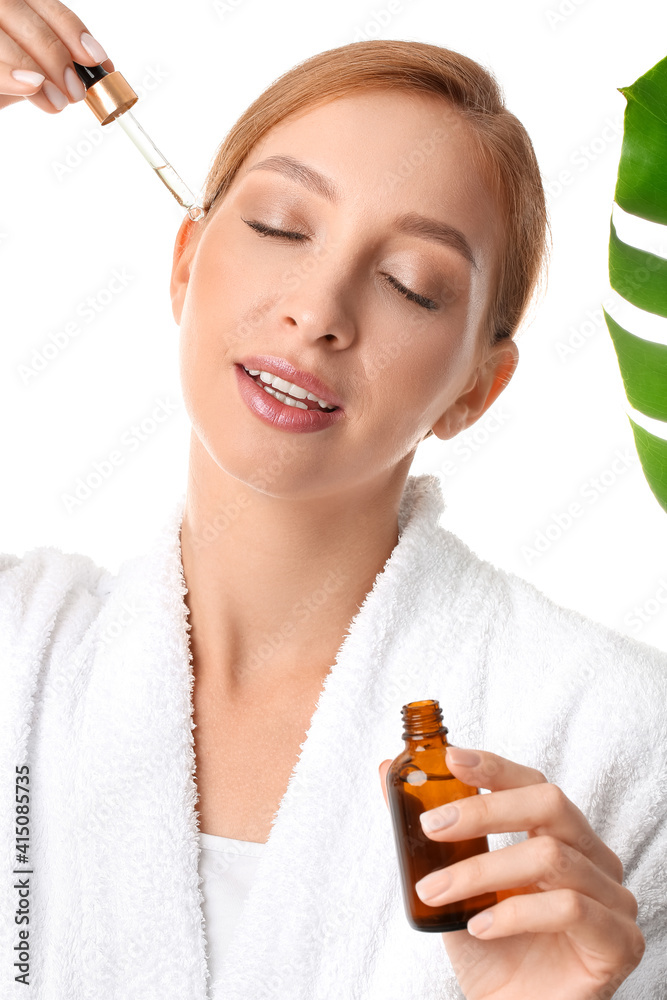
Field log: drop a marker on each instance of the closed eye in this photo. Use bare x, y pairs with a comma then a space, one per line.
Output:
263, 230
421, 300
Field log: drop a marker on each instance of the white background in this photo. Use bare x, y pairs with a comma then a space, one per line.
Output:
560, 423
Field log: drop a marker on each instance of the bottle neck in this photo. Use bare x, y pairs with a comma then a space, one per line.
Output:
422, 720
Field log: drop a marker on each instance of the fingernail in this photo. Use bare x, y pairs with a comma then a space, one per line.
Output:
57, 98
467, 758
93, 47
438, 819
480, 922
27, 76
76, 89
426, 888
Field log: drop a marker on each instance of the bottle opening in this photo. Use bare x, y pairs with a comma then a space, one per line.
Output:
422, 718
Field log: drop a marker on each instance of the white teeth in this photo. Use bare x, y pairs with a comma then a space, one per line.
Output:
280, 387
284, 386
283, 398
291, 387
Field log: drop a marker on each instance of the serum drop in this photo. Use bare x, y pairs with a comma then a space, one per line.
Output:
419, 780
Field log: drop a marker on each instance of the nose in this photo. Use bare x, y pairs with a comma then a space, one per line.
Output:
318, 302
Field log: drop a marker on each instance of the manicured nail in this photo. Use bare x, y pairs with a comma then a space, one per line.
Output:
438, 819
467, 758
93, 47
426, 889
480, 922
57, 98
27, 76
76, 89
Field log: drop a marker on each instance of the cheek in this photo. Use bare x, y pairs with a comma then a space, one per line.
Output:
423, 381
217, 292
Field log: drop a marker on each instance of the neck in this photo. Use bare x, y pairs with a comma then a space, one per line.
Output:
274, 581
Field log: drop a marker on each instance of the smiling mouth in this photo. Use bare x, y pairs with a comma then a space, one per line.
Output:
307, 402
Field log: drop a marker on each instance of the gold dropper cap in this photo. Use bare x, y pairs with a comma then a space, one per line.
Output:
110, 97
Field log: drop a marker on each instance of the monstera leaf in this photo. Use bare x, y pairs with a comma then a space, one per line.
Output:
638, 276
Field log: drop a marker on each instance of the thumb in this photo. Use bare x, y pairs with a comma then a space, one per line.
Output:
384, 767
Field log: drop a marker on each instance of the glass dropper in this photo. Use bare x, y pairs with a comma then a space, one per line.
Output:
160, 165
110, 97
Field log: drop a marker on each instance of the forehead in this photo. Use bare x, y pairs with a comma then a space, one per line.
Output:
389, 152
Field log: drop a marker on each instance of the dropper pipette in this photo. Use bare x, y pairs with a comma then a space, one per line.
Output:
110, 97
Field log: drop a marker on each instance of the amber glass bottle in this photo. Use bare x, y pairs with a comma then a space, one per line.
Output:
418, 780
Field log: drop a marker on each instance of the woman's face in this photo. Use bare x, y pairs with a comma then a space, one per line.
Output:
388, 317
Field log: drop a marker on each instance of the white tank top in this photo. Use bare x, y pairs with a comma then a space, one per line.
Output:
227, 868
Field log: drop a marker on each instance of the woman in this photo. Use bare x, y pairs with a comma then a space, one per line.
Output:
374, 230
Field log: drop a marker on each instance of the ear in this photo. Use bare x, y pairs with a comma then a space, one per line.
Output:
485, 385
185, 245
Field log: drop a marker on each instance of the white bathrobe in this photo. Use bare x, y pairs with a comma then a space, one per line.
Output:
95, 696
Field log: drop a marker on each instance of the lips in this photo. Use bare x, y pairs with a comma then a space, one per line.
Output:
278, 415
283, 368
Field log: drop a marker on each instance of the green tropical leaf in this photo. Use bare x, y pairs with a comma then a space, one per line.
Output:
643, 367
638, 276
641, 187
652, 453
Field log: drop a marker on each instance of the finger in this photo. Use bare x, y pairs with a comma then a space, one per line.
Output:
542, 862
498, 773
42, 99
50, 98
488, 770
384, 767
29, 82
47, 42
606, 941
541, 809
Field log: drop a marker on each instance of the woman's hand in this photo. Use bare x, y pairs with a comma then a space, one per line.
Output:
43, 38
564, 925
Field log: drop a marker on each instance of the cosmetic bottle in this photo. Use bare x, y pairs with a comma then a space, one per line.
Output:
419, 780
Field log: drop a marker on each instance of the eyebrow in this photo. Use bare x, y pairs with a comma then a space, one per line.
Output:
410, 223
300, 172
414, 224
